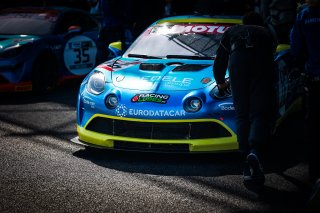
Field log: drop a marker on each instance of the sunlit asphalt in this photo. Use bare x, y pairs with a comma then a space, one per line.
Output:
42, 171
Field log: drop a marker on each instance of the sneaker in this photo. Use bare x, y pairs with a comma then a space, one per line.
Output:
246, 172
253, 171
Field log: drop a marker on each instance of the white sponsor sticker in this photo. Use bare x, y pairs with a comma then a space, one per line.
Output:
89, 103
80, 55
227, 106
169, 80
123, 111
189, 28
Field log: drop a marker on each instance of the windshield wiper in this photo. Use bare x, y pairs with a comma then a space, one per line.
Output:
196, 57
143, 56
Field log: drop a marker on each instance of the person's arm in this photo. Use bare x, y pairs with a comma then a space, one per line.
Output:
264, 8
221, 61
298, 43
296, 38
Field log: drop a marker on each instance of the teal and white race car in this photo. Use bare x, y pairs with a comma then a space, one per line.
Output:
42, 46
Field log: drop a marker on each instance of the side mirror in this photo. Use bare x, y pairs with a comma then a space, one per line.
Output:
117, 45
282, 47
116, 48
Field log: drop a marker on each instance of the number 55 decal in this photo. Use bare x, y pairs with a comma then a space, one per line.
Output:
80, 55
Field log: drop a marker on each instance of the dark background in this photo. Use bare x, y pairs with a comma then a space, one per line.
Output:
42, 171
142, 13
155, 6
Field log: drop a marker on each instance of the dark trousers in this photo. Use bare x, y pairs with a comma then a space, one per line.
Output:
252, 77
313, 128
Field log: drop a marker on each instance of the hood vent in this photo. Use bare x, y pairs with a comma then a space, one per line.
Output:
190, 67
151, 67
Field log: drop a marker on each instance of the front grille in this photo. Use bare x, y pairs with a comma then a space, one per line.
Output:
183, 148
155, 130
151, 67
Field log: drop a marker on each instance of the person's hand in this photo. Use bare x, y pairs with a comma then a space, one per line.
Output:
223, 86
223, 91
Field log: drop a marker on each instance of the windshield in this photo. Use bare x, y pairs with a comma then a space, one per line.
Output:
26, 23
193, 41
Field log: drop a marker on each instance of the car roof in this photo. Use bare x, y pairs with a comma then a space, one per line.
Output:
38, 10
201, 19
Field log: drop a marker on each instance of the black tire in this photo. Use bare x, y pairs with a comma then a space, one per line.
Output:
44, 74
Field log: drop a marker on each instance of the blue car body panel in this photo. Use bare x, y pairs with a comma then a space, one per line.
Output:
127, 81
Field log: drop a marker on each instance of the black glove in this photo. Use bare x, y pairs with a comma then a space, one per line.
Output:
222, 93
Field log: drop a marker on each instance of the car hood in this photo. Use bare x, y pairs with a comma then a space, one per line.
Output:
10, 41
161, 74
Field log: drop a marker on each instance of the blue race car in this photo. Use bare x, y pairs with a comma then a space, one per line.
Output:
161, 94
40, 47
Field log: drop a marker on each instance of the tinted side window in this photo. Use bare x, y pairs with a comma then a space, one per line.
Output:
75, 18
87, 22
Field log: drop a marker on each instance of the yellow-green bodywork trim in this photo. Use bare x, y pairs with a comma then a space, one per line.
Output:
195, 145
116, 45
282, 47
201, 20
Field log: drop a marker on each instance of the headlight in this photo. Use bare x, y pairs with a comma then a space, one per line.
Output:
111, 101
192, 104
96, 83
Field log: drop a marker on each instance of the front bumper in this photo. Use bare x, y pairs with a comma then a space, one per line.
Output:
151, 135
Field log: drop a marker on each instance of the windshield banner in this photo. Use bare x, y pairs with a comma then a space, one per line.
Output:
189, 28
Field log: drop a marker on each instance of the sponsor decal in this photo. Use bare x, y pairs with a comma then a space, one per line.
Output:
119, 64
157, 113
105, 67
56, 47
90, 103
19, 40
115, 65
123, 111
169, 80
120, 78
226, 106
312, 20
205, 80
150, 97
189, 28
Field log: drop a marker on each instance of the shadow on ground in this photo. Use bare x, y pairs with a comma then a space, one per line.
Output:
283, 152
64, 94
